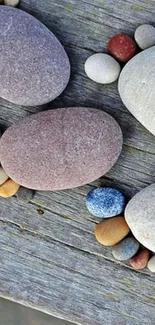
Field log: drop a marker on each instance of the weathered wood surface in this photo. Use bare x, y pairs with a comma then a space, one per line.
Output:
51, 261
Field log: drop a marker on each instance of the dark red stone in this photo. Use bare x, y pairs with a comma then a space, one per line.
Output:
122, 47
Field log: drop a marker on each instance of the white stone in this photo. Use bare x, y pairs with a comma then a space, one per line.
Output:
140, 216
151, 264
136, 87
145, 36
3, 176
102, 68
12, 3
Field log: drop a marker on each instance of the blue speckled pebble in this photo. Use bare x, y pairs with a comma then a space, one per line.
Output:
105, 202
126, 249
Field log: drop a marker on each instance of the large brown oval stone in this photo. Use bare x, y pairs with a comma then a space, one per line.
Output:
61, 148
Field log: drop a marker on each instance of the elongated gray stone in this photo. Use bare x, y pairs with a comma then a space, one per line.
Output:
61, 148
34, 67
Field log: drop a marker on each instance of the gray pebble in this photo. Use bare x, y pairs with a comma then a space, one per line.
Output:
145, 36
126, 249
102, 68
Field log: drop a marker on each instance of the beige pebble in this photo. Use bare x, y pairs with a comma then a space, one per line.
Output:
12, 3
9, 188
111, 231
3, 176
151, 264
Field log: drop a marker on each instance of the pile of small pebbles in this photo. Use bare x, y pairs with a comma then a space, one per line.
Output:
116, 229
104, 69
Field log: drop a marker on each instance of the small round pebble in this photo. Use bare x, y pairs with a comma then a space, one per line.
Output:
139, 261
126, 249
3, 176
111, 231
105, 202
12, 3
145, 36
151, 264
9, 188
24, 195
102, 68
122, 47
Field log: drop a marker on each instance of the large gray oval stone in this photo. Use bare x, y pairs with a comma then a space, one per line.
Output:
140, 216
137, 87
34, 67
61, 148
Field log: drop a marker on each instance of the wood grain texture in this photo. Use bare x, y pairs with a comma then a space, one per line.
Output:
49, 258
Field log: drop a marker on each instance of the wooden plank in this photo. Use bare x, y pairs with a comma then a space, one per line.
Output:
51, 261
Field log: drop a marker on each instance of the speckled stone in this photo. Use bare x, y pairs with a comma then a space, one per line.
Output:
127, 248
139, 261
136, 87
105, 202
36, 68
145, 36
61, 148
122, 47
140, 217
25, 195
102, 68
151, 264
111, 231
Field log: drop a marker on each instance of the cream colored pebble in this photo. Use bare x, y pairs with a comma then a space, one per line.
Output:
3, 176
12, 3
9, 188
151, 264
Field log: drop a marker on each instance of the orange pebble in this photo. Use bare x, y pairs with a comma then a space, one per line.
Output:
9, 188
111, 231
140, 260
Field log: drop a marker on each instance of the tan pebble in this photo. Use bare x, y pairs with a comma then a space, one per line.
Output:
3, 176
111, 231
12, 3
151, 264
9, 188
140, 260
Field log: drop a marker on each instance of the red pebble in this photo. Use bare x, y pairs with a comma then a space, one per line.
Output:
140, 260
122, 47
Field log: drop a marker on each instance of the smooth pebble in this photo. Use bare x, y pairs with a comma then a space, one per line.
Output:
61, 148
111, 231
145, 36
136, 87
36, 68
102, 68
12, 3
140, 217
105, 202
151, 264
9, 188
122, 47
126, 249
3, 176
139, 261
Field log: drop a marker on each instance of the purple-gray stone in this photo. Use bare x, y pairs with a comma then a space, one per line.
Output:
34, 67
61, 148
